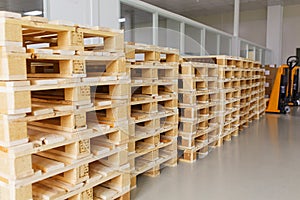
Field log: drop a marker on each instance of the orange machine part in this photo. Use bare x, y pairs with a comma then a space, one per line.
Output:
274, 98
293, 74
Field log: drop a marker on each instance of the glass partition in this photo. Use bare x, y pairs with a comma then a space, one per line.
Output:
149, 24
23, 7
212, 42
138, 24
258, 52
192, 40
168, 32
251, 52
225, 45
255, 52
244, 50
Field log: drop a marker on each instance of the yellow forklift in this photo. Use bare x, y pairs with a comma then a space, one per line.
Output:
285, 91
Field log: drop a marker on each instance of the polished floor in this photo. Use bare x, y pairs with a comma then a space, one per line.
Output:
263, 163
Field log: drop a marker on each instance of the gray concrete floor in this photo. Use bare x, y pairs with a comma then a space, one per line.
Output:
263, 163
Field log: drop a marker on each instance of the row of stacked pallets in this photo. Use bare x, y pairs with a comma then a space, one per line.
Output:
260, 80
198, 102
153, 108
82, 116
63, 111
218, 97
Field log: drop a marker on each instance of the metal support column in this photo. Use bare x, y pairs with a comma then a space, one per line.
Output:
155, 28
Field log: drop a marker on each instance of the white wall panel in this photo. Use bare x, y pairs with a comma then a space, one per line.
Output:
291, 31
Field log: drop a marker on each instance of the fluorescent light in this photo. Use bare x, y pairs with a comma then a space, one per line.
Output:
33, 13
122, 20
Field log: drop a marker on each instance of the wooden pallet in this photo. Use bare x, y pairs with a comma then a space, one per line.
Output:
57, 38
195, 113
69, 174
245, 63
55, 114
51, 65
148, 71
203, 146
225, 84
227, 136
200, 152
237, 73
191, 140
59, 146
152, 163
103, 183
196, 69
222, 61
225, 73
194, 98
192, 84
150, 53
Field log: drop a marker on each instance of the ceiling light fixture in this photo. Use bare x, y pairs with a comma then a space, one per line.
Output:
33, 13
121, 20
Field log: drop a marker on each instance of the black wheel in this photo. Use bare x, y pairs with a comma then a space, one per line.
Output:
292, 61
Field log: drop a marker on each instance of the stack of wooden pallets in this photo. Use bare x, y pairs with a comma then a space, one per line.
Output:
246, 93
258, 91
251, 81
154, 110
198, 97
64, 111
262, 91
228, 96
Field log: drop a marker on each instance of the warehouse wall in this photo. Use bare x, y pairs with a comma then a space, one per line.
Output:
222, 22
253, 27
253, 24
291, 31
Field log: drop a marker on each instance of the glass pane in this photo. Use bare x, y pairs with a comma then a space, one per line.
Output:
137, 25
243, 51
168, 32
192, 40
257, 54
225, 44
263, 57
22, 6
251, 52
211, 43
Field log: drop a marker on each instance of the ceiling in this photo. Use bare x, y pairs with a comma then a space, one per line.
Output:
21, 6
195, 8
